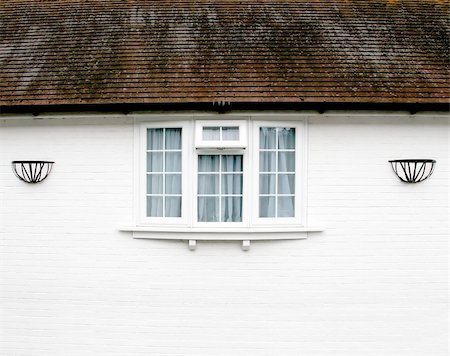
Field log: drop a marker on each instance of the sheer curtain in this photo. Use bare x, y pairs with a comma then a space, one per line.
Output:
277, 172
219, 188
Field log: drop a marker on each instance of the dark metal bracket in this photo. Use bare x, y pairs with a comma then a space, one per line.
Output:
413, 170
32, 171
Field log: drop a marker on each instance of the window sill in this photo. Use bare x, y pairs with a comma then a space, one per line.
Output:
220, 234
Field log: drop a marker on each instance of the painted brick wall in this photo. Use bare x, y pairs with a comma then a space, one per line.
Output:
373, 283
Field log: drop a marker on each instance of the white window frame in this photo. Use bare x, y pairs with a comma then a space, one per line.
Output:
299, 219
245, 192
190, 152
142, 173
211, 144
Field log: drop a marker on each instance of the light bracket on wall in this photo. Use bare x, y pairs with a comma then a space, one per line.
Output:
32, 171
413, 170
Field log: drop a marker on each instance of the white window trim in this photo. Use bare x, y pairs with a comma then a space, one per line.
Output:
299, 218
245, 191
142, 174
202, 144
188, 221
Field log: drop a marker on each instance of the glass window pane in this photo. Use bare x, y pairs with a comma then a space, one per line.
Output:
266, 207
208, 209
230, 133
155, 139
286, 183
232, 184
286, 207
286, 161
154, 183
267, 162
208, 184
155, 206
173, 207
208, 163
211, 133
267, 183
267, 138
173, 184
286, 138
231, 163
173, 139
173, 161
154, 162
231, 209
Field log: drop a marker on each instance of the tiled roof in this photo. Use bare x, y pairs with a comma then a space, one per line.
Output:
164, 51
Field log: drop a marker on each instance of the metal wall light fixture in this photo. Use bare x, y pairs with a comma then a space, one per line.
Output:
413, 170
32, 171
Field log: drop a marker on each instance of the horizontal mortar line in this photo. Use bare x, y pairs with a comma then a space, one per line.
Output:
163, 84
171, 7
234, 99
307, 74
137, 38
237, 48
256, 72
212, 85
106, 88
208, 100
151, 50
223, 11
232, 93
168, 51
246, 80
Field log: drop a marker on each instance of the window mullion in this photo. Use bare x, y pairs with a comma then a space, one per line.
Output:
220, 187
164, 174
276, 172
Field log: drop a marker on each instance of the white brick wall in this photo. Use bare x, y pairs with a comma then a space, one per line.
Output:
373, 283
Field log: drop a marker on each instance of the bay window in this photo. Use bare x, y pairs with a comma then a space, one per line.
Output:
221, 173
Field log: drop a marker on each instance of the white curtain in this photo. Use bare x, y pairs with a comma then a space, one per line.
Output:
173, 139
277, 156
208, 209
223, 186
173, 162
231, 209
267, 207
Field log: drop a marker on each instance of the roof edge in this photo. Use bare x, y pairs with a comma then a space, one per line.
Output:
223, 107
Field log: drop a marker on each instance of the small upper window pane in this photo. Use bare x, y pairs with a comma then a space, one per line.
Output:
173, 139
230, 133
267, 138
155, 139
286, 139
211, 133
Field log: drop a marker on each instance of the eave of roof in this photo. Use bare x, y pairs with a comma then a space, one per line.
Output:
203, 52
